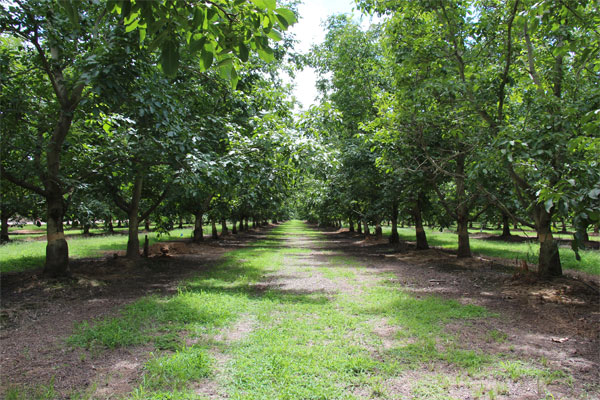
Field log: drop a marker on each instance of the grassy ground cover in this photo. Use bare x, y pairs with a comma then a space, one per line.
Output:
307, 334
22, 255
528, 251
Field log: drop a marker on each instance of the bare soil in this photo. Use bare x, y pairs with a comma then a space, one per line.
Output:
556, 320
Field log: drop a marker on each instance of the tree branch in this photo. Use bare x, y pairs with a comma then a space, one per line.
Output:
19, 182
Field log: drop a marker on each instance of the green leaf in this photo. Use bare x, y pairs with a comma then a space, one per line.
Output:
132, 25
266, 54
70, 10
288, 15
206, 59
275, 35
243, 52
169, 57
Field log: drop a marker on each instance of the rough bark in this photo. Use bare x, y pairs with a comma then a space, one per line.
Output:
549, 261
394, 237
57, 250
198, 233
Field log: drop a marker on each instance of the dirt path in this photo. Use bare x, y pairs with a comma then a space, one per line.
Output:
556, 324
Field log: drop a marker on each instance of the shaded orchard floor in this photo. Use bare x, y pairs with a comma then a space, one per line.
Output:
531, 339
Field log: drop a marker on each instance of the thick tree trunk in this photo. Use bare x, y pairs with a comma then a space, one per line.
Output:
366, 228
57, 250
198, 233
505, 226
86, 229
215, 232
110, 227
422, 243
464, 249
133, 242
4, 230
224, 229
394, 237
549, 262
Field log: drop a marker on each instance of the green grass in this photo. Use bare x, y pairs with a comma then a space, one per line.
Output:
590, 259
299, 344
20, 255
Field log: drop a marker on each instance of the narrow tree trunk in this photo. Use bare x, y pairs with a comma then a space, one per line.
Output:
198, 233
549, 262
215, 232
394, 237
366, 228
180, 222
378, 230
133, 242
86, 228
246, 224
253, 223
119, 225
359, 227
4, 230
110, 227
462, 212
234, 228
505, 226
147, 225
422, 243
563, 226
351, 223
224, 229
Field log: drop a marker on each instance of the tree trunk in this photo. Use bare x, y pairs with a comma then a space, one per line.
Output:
147, 225
57, 250
224, 229
180, 222
119, 225
378, 230
86, 229
422, 243
234, 228
505, 226
563, 226
4, 230
351, 223
198, 233
215, 232
111, 228
366, 228
394, 237
462, 212
358, 227
133, 242
549, 262
246, 224
464, 249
